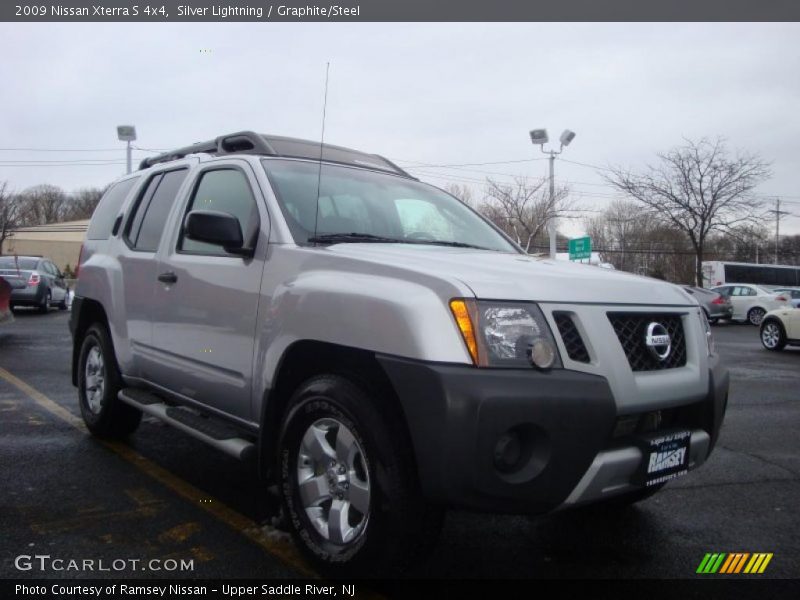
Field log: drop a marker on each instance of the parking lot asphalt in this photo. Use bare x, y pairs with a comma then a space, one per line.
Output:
162, 495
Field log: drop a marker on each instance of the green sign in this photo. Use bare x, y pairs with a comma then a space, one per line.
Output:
580, 248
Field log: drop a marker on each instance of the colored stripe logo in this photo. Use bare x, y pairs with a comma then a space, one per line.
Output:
734, 563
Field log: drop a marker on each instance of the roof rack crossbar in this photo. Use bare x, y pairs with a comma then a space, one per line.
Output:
232, 143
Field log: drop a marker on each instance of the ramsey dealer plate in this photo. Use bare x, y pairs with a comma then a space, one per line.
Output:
665, 457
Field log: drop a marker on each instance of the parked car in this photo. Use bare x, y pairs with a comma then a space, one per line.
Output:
44, 284
751, 302
781, 328
382, 350
714, 304
792, 293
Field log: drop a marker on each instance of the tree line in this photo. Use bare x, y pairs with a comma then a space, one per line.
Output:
696, 202
42, 205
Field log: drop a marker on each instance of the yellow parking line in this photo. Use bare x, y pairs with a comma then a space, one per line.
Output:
284, 551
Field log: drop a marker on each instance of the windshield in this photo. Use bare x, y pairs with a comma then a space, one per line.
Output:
9, 262
379, 207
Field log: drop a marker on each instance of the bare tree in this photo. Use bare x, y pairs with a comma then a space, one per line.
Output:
10, 212
698, 188
43, 204
524, 208
82, 204
462, 192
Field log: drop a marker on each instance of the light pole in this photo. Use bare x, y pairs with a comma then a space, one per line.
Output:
127, 133
539, 136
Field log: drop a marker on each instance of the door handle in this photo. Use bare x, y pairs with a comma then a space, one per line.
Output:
168, 277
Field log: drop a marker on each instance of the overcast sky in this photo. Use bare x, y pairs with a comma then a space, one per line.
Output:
429, 93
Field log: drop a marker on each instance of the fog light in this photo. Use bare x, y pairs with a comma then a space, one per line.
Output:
507, 452
543, 354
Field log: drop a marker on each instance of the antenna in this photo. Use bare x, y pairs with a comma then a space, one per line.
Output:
321, 142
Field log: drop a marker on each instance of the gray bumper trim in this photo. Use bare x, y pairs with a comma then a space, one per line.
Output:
611, 471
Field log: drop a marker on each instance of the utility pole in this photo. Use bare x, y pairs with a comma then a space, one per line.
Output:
552, 224
778, 214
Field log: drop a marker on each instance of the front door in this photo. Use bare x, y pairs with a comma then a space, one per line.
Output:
206, 300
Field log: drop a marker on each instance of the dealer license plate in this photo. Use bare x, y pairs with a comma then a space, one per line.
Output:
665, 457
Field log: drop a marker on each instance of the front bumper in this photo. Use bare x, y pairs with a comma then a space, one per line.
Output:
456, 414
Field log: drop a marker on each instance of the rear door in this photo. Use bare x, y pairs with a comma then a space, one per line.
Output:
141, 235
206, 300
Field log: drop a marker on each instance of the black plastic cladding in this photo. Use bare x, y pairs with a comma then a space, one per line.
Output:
573, 342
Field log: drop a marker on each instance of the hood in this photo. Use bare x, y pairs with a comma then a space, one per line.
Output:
505, 276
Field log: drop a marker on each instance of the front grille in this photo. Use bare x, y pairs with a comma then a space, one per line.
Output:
631, 329
573, 342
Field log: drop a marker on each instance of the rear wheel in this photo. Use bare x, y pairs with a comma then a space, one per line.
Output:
348, 483
44, 306
99, 382
63, 304
755, 315
772, 335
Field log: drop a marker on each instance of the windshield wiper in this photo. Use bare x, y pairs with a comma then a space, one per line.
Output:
452, 244
343, 238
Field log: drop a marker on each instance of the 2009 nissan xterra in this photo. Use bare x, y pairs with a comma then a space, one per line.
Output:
382, 350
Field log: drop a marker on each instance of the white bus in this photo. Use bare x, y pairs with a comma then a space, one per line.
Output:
720, 273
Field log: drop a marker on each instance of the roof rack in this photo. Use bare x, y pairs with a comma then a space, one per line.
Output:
249, 142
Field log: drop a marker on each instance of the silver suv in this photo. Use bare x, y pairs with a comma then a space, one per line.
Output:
379, 348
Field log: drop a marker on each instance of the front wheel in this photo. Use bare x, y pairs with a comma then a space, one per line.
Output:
772, 336
99, 382
348, 482
756, 315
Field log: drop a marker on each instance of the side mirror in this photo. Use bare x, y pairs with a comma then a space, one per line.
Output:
218, 228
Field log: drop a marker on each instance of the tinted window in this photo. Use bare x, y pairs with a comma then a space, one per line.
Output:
140, 208
155, 216
108, 209
224, 190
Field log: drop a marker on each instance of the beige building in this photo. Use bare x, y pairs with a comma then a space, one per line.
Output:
60, 242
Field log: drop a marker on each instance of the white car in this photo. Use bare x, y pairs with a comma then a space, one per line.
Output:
793, 293
751, 302
780, 328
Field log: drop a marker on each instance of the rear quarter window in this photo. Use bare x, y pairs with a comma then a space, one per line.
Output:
108, 209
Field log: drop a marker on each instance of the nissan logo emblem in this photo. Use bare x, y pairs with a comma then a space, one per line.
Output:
658, 341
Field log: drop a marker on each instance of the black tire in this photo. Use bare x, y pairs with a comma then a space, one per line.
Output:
772, 335
63, 304
399, 527
755, 315
47, 298
113, 418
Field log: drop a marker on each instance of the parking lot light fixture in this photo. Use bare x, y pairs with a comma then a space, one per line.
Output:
127, 133
539, 138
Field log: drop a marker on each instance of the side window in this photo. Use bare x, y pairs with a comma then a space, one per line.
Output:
108, 209
223, 190
147, 223
748, 291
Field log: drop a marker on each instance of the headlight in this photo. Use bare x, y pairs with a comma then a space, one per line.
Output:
707, 330
505, 334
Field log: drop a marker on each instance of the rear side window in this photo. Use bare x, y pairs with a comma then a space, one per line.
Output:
108, 209
224, 190
151, 213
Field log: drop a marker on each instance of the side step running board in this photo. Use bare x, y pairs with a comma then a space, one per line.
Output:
211, 431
